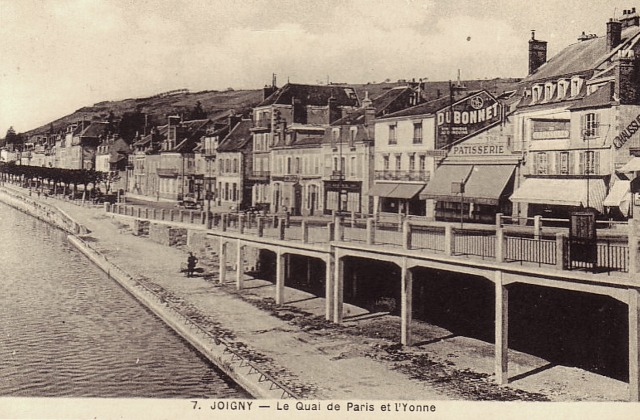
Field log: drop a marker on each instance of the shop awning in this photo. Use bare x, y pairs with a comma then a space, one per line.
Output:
619, 196
632, 166
484, 184
382, 190
405, 191
561, 192
487, 183
439, 187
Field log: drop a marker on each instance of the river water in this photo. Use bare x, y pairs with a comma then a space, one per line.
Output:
67, 330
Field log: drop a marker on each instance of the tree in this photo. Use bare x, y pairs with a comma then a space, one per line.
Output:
130, 124
197, 113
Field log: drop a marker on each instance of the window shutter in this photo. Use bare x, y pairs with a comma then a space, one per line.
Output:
534, 164
557, 158
572, 163
581, 170
596, 163
596, 123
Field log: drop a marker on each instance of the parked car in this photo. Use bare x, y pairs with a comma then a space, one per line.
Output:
189, 202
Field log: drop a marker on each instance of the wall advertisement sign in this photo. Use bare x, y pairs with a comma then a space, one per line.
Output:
466, 118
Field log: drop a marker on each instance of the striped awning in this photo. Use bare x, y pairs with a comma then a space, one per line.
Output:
562, 192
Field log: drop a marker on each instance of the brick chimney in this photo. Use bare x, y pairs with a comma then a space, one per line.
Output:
627, 91
614, 33
537, 53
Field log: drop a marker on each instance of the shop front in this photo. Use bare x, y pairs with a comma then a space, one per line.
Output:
471, 193
399, 198
342, 196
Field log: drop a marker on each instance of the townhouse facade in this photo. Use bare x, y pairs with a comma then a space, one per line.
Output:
234, 163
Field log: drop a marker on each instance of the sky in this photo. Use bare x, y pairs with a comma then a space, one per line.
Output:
59, 55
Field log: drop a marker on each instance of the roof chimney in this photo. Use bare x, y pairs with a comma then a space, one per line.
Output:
614, 33
537, 53
630, 18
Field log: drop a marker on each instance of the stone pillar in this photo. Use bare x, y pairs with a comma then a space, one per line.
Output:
449, 239
107, 207
537, 224
138, 212
224, 221
329, 284
634, 345
239, 266
260, 227
154, 214
406, 301
241, 223
281, 229
222, 256
181, 216
501, 330
499, 220
281, 261
304, 227
338, 290
192, 216
205, 220
371, 232
339, 229
561, 250
633, 249
500, 245
146, 213
331, 231
171, 215
406, 235
161, 214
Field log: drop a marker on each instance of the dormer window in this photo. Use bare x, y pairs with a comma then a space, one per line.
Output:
549, 90
562, 89
576, 85
536, 93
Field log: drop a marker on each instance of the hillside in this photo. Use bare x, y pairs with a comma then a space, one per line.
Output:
219, 103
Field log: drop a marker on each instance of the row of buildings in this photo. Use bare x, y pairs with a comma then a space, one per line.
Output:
563, 138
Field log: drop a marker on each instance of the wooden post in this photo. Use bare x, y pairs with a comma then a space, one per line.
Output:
338, 290
329, 284
501, 331
280, 271
239, 266
406, 301
222, 256
634, 345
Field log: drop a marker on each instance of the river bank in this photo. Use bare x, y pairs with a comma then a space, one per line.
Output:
315, 359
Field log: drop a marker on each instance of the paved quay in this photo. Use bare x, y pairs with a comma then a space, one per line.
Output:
359, 360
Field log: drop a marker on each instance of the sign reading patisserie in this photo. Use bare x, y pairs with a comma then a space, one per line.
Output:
466, 117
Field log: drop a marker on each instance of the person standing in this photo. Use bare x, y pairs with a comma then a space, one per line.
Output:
191, 264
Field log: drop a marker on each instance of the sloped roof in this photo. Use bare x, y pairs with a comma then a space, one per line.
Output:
424, 108
579, 57
317, 95
381, 103
95, 129
601, 97
237, 139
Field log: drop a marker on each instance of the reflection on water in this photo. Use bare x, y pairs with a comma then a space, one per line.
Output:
67, 330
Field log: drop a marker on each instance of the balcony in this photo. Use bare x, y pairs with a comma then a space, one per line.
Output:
259, 175
403, 176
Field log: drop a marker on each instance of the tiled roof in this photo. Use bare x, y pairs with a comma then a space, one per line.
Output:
423, 109
601, 97
579, 57
383, 104
313, 95
237, 139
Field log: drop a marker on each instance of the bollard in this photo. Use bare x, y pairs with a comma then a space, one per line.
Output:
371, 232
